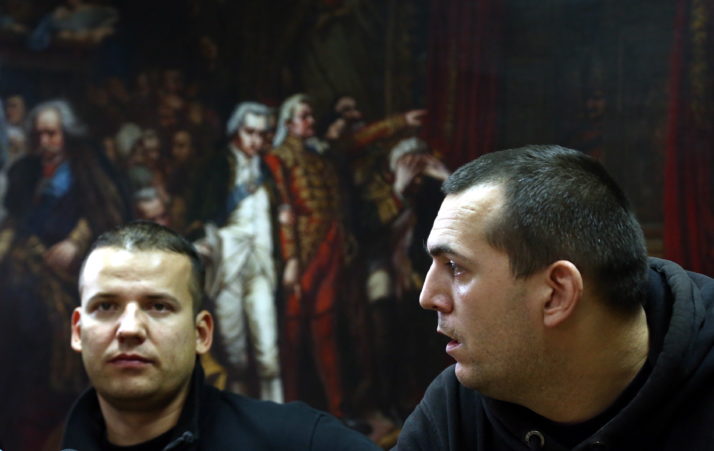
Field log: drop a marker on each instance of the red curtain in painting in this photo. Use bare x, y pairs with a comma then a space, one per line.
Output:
463, 66
689, 169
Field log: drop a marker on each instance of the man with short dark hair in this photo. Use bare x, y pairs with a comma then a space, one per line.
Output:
565, 335
140, 328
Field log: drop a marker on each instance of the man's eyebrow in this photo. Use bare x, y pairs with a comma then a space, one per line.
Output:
161, 297
439, 249
151, 296
101, 296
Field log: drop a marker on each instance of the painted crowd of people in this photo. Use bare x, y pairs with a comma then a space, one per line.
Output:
311, 232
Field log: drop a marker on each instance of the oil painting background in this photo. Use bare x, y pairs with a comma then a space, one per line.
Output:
627, 82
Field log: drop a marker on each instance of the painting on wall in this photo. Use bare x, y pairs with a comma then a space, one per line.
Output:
283, 143
301, 145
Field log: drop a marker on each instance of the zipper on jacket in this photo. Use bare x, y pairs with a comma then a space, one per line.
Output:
535, 440
187, 438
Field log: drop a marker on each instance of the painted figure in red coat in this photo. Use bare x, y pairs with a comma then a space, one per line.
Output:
312, 239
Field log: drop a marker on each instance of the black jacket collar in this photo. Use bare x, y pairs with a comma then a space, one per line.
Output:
85, 428
680, 338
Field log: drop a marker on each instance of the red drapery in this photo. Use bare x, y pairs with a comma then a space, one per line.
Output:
689, 169
462, 78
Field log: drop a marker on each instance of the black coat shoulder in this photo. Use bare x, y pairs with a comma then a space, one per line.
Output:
447, 418
231, 421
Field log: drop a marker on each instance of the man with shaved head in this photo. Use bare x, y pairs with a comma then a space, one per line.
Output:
564, 333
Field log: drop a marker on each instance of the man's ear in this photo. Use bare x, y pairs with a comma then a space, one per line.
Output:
76, 330
566, 289
204, 332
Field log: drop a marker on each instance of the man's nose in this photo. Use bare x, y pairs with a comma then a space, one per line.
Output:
132, 324
435, 294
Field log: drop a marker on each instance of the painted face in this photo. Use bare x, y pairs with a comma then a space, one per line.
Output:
50, 137
136, 329
15, 110
151, 148
252, 135
153, 210
110, 148
481, 306
181, 147
302, 122
347, 107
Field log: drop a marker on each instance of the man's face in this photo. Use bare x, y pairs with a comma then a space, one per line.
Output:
151, 148
153, 210
50, 136
252, 134
347, 108
302, 121
181, 147
109, 145
486, 312
135, 327
15, 110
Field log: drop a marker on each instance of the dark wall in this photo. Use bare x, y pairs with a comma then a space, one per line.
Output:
593, 75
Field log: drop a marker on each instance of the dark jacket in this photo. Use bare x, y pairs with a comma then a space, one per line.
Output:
211, 202
669, 406
217, 420
91, 188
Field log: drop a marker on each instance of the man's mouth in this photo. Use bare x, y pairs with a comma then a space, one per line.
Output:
451, 345
130, 361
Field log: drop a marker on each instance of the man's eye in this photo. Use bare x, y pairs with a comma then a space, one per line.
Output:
160, 307
105, 306
453, 267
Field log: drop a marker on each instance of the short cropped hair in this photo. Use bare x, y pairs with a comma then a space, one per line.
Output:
560, 204
149, 236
